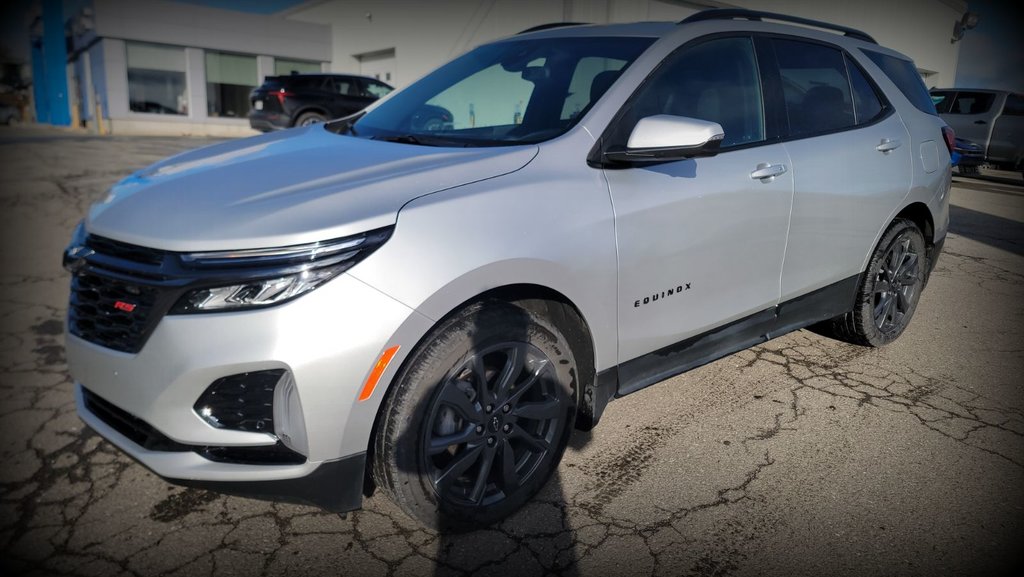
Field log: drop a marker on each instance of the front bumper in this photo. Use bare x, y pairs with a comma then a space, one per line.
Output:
336, 485
329, 340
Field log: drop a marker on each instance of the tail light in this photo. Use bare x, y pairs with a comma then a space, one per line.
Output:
950, 137
281, 95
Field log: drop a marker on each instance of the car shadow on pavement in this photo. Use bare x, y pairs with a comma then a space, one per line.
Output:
995, 231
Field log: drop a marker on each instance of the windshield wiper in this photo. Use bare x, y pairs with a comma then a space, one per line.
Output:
403, 138
420, 140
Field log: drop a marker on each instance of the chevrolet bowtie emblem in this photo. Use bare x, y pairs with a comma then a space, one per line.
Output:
75, 257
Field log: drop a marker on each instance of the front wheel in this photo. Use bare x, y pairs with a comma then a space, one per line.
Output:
478, 417
890, 289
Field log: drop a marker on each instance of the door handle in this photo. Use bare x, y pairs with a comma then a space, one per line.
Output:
980, 122
888, 144
767, 172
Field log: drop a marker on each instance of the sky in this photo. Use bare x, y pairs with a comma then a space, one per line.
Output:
992, 54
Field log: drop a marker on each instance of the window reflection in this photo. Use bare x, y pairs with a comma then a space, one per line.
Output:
156, 79
229, 79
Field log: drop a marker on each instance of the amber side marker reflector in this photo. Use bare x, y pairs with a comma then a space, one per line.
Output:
378, 370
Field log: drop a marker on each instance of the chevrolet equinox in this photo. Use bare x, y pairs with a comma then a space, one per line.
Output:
312, 314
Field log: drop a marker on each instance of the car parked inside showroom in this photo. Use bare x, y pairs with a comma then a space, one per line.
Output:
366, 304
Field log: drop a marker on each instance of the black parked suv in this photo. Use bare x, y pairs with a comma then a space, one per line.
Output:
301, 99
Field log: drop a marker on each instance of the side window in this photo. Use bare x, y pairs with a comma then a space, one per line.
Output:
904, 75
376, 89
345, 86
866, 104
1014, 105
972, 102
308, 83
715, 80
815, 86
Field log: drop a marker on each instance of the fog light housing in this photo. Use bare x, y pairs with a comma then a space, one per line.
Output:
242, 402
289, 424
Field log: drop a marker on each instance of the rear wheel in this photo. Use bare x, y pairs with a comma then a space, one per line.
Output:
478, 418
308, 118
890, 290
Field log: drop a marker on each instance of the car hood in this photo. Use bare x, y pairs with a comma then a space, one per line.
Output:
285, 188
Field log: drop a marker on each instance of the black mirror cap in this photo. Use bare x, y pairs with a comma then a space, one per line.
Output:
621, 155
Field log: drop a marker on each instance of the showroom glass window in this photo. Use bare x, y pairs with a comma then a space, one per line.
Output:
284, 67
229, 79
156, 79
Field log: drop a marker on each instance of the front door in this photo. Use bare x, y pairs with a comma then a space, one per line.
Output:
701, 241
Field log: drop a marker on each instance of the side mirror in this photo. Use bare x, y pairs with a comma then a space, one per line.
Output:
664, 137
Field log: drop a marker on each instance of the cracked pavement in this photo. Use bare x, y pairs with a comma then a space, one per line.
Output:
802, 456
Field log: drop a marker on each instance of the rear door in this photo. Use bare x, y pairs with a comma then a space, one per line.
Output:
972, 114
700, 241
1007, 141
851, 158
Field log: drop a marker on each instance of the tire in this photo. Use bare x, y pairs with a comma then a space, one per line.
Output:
442, 424
879, 315
307, 118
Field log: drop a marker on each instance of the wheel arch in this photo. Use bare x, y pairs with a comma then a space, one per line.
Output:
921, 215
298, 113
535, 298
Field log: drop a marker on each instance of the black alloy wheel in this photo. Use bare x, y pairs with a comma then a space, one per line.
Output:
494, 420
889, 290
897, 282
478, 416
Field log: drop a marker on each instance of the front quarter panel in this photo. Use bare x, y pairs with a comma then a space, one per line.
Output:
548, 224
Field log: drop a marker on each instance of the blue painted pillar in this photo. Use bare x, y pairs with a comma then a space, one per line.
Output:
55, 57
40, 96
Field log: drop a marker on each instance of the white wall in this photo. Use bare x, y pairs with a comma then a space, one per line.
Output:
203, 27
425, 35
920, 29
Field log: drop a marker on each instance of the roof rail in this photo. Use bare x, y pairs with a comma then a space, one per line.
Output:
741, 14
550, 25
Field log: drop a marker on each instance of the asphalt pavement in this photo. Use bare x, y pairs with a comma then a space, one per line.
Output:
802, 456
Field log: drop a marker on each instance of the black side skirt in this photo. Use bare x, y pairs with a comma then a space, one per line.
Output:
820, 305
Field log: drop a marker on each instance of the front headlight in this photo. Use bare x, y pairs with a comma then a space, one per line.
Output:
245, 279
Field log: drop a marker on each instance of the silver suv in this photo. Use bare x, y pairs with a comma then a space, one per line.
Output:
311, 314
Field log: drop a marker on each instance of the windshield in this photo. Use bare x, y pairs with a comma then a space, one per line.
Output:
515, 92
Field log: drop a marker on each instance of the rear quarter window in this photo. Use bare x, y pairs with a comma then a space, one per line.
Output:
1014, 105
943, 100
904, 75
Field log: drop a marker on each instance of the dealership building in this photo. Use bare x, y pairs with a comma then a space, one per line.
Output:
186, 67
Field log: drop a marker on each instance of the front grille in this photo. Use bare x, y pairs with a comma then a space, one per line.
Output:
110, 312
144, 435
116, 300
